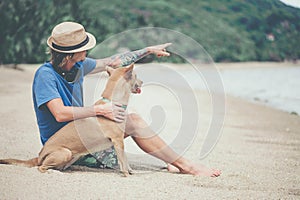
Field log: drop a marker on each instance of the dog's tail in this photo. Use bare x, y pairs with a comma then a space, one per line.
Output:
26, 163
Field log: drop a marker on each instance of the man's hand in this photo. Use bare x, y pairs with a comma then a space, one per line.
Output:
159, 50
112, 111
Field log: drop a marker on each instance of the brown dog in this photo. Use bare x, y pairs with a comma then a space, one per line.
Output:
93, 134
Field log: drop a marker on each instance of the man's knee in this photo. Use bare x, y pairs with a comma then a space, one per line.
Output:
134, 123
137, 127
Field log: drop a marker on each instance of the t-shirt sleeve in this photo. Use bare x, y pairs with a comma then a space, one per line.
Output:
89, 65
45, 88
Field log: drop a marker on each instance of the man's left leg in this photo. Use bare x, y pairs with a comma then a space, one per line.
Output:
151, 143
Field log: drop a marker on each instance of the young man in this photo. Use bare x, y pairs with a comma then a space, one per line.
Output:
58, 96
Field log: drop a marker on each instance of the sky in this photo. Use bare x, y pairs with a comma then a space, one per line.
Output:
294, 3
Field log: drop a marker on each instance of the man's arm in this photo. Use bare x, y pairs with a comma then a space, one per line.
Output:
127, 58
62, 113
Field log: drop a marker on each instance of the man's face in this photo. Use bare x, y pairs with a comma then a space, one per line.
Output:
80, 56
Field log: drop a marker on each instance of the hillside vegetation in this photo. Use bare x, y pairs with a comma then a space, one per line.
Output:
230, 30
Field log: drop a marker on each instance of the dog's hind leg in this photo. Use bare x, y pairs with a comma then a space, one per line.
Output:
73, 160
122, 159
56, 160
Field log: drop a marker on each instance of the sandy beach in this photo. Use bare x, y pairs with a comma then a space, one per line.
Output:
258, 153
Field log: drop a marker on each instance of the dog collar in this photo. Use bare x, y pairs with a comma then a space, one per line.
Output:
106, 100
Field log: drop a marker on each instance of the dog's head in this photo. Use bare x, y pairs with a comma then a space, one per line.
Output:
128, 75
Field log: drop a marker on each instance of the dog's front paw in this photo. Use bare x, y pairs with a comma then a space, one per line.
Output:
125, 174
130, 171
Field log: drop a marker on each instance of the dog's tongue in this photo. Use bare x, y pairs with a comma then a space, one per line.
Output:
138, 90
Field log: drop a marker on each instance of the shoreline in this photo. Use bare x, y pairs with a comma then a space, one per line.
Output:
256, 64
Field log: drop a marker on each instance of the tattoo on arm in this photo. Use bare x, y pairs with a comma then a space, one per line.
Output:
130, 57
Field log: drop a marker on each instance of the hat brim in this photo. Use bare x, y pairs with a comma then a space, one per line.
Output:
91, 44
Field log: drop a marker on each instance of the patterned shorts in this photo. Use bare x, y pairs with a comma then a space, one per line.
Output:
103, 159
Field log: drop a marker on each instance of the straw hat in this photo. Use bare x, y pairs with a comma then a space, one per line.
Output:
70, 37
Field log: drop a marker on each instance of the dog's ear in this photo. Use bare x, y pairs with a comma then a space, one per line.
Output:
128, 71
109, 70
129, 67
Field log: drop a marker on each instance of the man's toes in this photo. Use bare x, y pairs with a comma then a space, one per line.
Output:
216, 173
172, 169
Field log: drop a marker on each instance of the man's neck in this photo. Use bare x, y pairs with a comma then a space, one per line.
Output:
68, 66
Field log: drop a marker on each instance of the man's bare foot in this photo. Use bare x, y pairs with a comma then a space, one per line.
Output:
195, 169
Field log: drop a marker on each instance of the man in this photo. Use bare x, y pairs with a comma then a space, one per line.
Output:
58, 97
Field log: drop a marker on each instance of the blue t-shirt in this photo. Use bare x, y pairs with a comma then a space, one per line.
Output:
48, 85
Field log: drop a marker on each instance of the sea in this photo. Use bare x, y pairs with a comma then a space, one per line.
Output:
277, 87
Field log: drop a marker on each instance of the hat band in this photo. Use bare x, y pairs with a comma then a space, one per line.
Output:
69, 48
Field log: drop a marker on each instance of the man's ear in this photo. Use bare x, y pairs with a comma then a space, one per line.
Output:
109, 70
